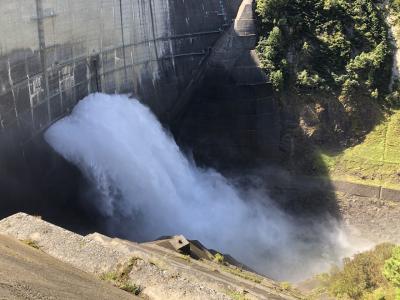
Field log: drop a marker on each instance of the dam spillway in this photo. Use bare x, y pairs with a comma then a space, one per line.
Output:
54, 53
165, 52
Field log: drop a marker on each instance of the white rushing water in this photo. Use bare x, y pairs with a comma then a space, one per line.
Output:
144, 187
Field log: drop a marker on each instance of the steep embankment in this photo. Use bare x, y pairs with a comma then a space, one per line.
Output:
153, 270
28, 273
376, 159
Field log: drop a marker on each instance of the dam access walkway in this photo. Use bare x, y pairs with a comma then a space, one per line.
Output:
157, 272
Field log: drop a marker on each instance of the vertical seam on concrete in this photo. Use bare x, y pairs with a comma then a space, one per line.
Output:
171, 48
13, 95
123, 40
223, 12
42, 51
96, 74
153, 31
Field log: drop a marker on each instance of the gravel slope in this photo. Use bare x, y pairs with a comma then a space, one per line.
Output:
28, 273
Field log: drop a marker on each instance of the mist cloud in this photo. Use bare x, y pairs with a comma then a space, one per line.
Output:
144, 187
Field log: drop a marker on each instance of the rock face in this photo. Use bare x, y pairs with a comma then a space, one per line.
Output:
161, 273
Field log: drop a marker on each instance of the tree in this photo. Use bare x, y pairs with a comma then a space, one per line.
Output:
309, 81
277, 79
270, 10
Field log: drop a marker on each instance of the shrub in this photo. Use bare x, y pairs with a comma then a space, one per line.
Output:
131, 288
361, 275
306, 80
270, 10
31, 243
219, 258
286, 286
277, 79
270, 54
109, 276
235, 295
120, 278
391, 269
270, 48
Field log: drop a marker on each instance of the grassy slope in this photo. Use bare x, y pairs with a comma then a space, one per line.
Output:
376, 161
321, 53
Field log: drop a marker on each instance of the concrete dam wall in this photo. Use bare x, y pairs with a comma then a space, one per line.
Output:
190, 61
55, 52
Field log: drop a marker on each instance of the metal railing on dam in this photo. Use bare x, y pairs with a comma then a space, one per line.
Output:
53, 53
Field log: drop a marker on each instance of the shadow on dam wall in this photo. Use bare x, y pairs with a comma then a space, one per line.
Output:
42, 183
241, 130
235, 123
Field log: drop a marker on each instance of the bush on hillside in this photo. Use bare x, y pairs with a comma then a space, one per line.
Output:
362, 277
391, 269
270, 50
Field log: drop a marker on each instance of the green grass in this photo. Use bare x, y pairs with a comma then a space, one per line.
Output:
219, 258
286, 286
31, 243
120, 278
109, 276
243, 274
375, 161
131, 288
236, 295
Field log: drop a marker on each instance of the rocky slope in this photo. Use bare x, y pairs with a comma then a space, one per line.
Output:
28, 273
151, 270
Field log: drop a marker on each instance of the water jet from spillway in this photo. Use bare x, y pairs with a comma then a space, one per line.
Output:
144, 187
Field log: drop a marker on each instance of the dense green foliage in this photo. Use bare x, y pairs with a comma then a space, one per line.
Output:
335, 46
371, 275
392, 268
395, 6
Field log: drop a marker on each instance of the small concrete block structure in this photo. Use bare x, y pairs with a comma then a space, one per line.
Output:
390, 194
176, 243
180, 244
357, 189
